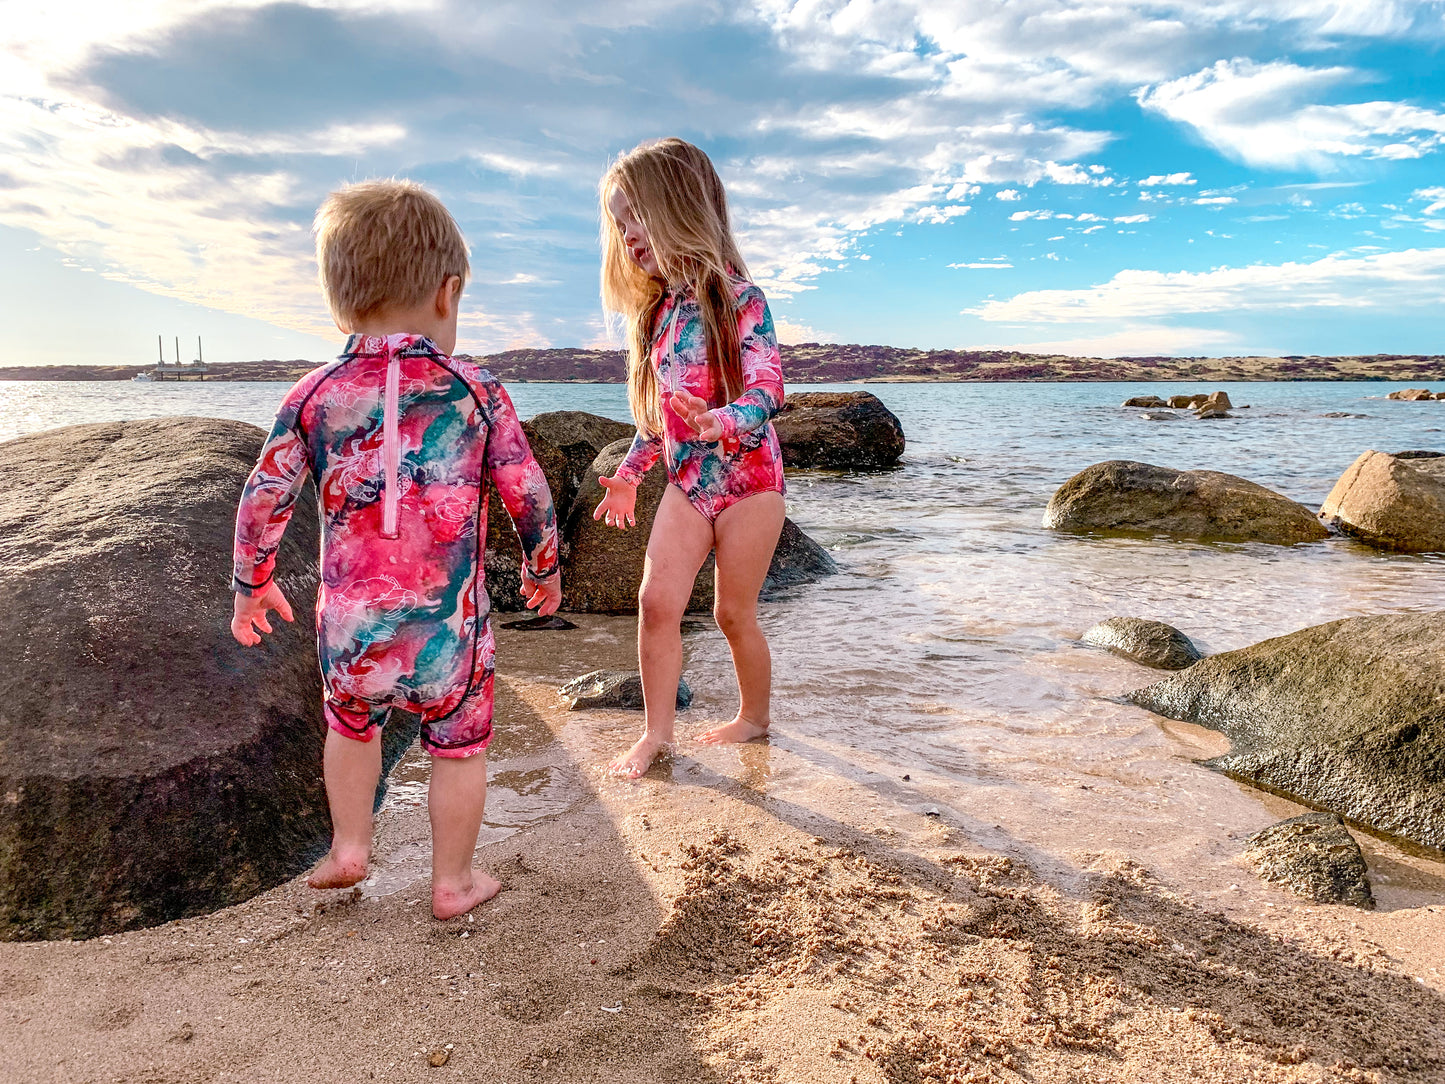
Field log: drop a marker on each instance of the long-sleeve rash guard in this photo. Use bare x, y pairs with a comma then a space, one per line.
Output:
402, 441
747, 459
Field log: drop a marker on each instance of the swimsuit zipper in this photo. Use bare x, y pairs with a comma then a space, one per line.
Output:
391, 450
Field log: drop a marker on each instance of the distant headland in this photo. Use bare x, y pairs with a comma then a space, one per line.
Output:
825, 363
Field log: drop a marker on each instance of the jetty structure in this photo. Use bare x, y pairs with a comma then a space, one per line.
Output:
195, 370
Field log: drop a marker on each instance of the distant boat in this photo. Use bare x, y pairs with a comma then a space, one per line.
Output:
143, 378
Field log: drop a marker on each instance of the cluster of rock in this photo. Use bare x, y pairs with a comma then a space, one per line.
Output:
1416, 395
1394, 502
150, 767
1214, 405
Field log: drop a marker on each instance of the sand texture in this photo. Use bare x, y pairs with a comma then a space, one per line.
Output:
695, 927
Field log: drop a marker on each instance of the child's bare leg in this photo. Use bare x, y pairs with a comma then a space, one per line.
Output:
352, 769
456, 800
680, 541
747, 533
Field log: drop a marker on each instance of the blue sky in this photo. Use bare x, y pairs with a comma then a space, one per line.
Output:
1097, 176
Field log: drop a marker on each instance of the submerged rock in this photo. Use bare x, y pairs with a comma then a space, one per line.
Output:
152, 768
1395, 502
1315, 857
614, 689
1152, 643
1139, 498
603, 569
838, 429
1348, 716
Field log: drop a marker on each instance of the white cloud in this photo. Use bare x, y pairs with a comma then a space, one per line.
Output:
1007, 194
1167, 178
1264, 115
1213, 201
1386, 281
791, 334
1136, 340
981, 265
1130, 220
1437, 194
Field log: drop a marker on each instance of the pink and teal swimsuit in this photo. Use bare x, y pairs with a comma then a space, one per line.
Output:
714, 475
402, 441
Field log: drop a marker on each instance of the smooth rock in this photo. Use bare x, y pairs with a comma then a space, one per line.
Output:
1219, 400
1139, 498
1208, 411
579, 436
1158, 416
603, 568
1181, 402
1412, 395
152, 768
838, 429
1145, 401
1315, 857
503, 556
614, 689
1152, 643
1348, 716
1394, 502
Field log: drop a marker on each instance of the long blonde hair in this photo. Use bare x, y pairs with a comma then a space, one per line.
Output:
678, 198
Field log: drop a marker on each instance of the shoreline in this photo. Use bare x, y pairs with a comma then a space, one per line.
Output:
724, 919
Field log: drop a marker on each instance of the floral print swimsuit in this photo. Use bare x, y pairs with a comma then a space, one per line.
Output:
401, 440
714, 475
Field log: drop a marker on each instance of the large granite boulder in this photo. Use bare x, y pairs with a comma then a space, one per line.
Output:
603, 569
579, 436
1348, 716
503, 555
838, 429
150, 766
1412, 395
1152, 643
1395, 502
1138, 498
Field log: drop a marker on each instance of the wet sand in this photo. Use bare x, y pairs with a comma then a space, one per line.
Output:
760, 913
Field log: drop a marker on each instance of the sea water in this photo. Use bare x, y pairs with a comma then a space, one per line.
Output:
942, 666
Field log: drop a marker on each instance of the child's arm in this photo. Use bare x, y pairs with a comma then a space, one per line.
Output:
266, 505
639, 459
762, 378
524, 491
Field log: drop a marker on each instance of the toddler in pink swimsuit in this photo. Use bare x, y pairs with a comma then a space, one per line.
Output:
402, 441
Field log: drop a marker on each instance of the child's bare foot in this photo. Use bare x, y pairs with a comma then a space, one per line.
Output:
739, 730
639, 758
449, 901
339, 869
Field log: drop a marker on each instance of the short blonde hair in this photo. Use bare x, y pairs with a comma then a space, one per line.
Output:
382, 244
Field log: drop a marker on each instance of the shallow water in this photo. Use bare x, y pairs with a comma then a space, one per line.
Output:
947, 649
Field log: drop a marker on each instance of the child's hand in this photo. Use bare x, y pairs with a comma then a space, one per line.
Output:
250, 614
544, 596
618, 505
693, 410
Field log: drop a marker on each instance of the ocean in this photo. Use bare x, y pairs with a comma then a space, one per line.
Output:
946, 651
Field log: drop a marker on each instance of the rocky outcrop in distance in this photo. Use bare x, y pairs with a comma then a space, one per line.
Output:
151, 767
1125, 497
1394, 502
1347, 717
821, 363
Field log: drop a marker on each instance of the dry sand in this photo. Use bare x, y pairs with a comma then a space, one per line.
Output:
694, 926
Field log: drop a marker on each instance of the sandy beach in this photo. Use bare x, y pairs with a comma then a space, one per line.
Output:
696, 926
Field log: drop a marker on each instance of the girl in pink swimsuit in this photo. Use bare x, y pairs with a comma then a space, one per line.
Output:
704, 381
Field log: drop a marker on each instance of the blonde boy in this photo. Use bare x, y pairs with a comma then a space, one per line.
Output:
402, 440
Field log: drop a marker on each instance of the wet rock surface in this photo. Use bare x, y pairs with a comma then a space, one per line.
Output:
503, 556
1152, 643
1315, 857
838, 429
614, 689
1347, 716
152, 767
603, 569
1139, 498
1394, 502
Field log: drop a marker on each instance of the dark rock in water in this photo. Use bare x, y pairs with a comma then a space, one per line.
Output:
838, 429
603, 569
614, 689
1139, 498
1159, 416
1206, 412
151, 767
1343, 414
579, 436
503, 557
1145, 401
1347, 717
540, 624
1315, 856
1152, 643
1395, 502
1412, 395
